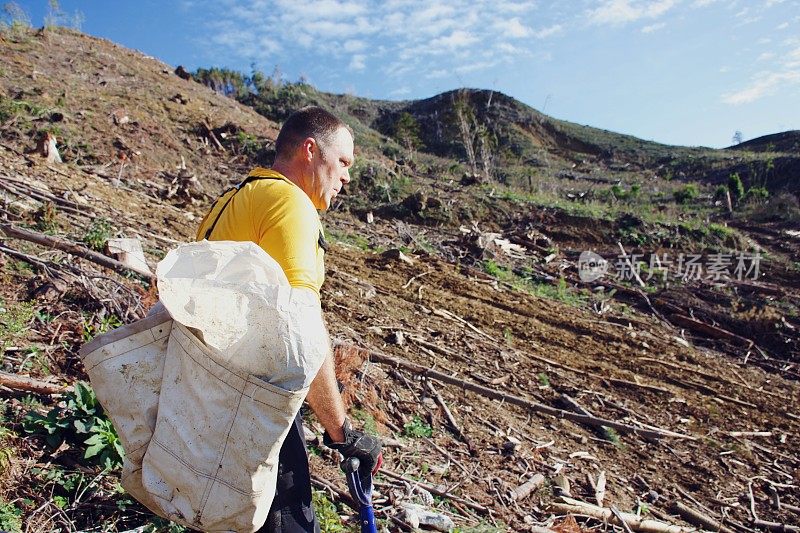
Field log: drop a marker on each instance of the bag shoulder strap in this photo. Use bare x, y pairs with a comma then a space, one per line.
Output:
236, 189
321, 242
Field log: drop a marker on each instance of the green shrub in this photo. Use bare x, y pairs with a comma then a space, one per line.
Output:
97, 234
14, 320
626, 195
417, 428
105, 324
736, 187
79, 420
686, 193
327, 514
757, 194
492, 268
10, 517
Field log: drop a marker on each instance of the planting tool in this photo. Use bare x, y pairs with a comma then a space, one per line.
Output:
362, 495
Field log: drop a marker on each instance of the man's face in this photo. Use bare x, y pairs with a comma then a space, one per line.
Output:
330, 168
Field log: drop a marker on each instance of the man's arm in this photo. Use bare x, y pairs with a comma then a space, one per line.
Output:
326, 401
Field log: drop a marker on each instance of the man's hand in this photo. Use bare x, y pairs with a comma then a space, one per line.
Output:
358, 444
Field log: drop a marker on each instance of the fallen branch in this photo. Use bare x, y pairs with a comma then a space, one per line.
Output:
698, 519
603, 431
524, 490
522, 402
444, 313
750, 433
570, 506
15, 186
337, 493
29, 384
416, 277
71, 248
709, 330
446, 454
211, 135
631, 266
775, 526
620, 518
450, 418
708, 390
615, 381
433, 490
706, 375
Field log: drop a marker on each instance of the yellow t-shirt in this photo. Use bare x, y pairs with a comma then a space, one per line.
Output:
278, 216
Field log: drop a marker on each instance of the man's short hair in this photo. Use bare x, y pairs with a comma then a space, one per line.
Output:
311, 121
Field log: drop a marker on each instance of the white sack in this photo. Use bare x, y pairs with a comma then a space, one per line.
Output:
239, 302
202, 424
125, 368
212, 461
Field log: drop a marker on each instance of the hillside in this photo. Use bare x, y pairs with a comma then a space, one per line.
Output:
464, 293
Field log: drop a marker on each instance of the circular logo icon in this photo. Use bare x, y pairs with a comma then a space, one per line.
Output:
591, 266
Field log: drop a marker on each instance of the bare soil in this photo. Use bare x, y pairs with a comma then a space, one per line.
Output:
623, 358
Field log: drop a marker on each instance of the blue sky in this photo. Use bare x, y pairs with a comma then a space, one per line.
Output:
687, 72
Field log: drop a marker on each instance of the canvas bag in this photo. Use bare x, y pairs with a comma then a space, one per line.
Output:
242, 350
125, 368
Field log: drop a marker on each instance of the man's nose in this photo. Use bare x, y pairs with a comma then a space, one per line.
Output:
346, 177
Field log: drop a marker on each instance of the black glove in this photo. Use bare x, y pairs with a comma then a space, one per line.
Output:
358, 444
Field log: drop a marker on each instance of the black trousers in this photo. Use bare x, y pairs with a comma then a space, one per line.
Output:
292, 510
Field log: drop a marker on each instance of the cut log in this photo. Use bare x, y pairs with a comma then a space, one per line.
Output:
708, 329
211, 135
636, 523
28, 384
47, 148
69, 247
698, 519
524, 490
129, 252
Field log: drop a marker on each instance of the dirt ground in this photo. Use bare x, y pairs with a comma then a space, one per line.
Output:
728, 387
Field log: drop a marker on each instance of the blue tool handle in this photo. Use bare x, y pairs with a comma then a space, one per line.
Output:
362, 495
367, 518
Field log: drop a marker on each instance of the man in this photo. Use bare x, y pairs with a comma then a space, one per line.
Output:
277, 209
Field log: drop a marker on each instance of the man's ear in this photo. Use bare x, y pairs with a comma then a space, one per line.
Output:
309, 148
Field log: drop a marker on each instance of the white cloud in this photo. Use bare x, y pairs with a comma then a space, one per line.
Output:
763, 85
354, 45
512, 28
792, 59
357, 62
439, 73
268, 45
653, 27
508, 48
331, 8
403, 36
766, 56
475, 66
618, 12
401, 91
782, 26
503, 6
549, 31
457, 39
